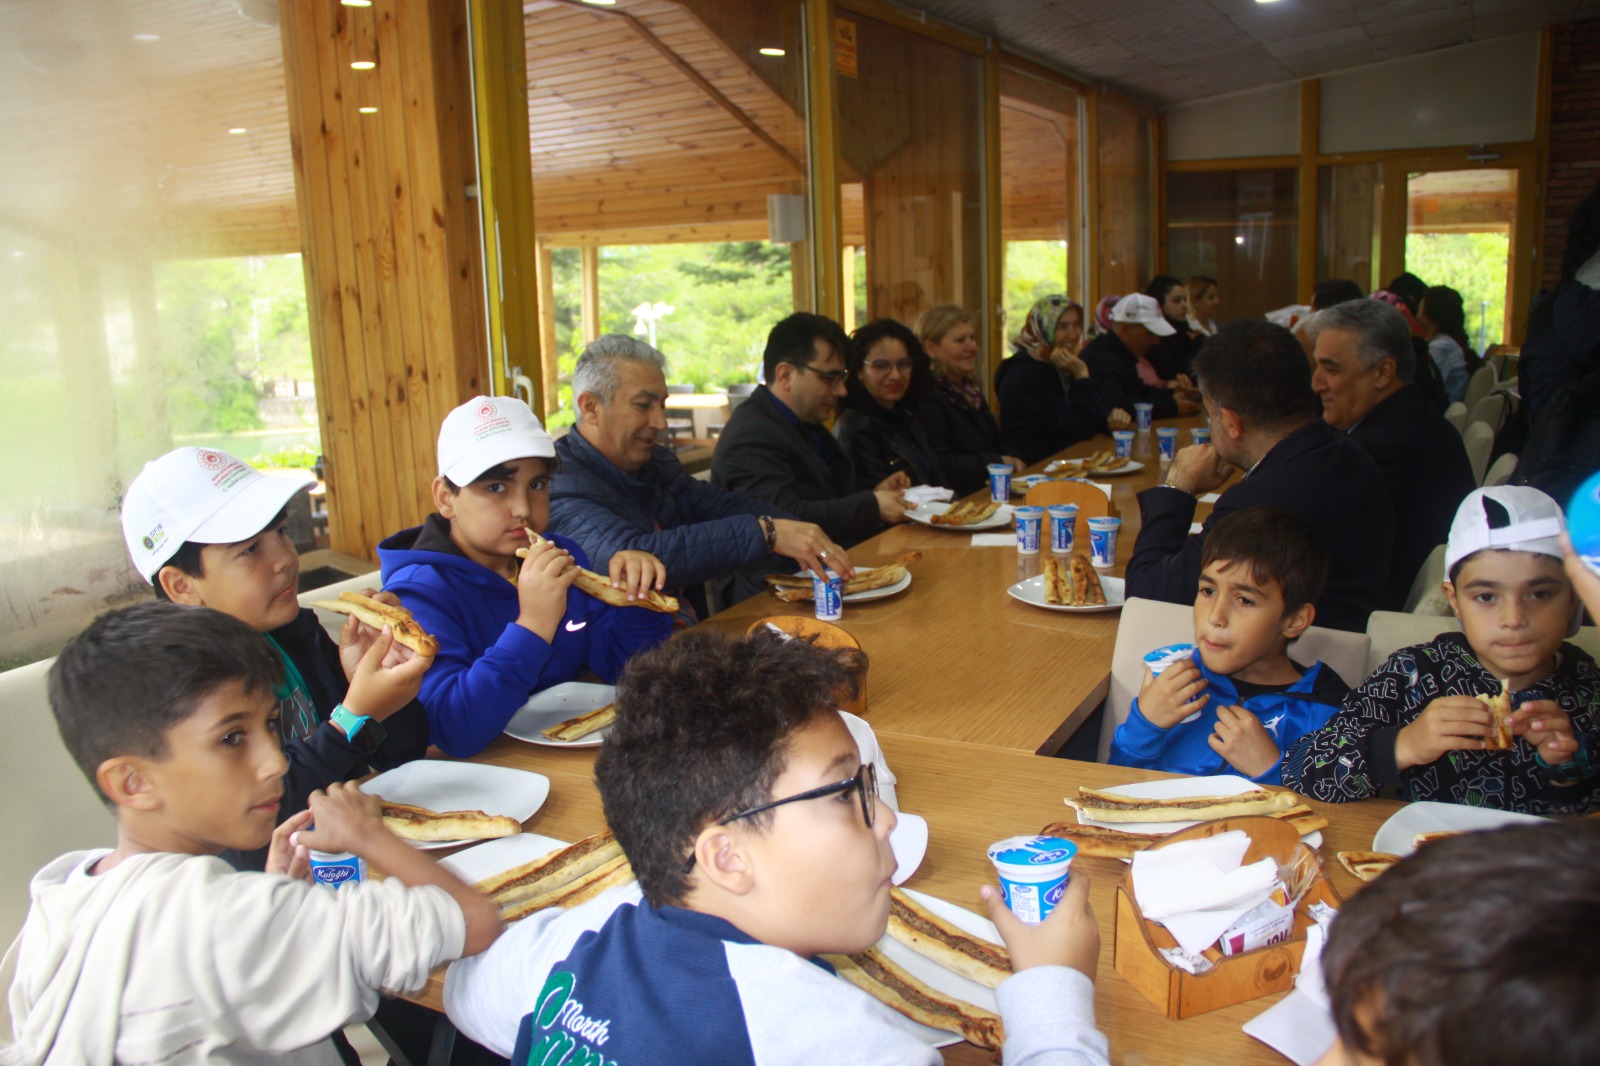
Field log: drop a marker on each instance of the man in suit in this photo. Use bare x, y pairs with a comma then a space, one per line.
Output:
1365, 366
1255, 384
776, 447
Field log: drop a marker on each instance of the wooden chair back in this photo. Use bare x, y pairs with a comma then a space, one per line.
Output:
1091, 501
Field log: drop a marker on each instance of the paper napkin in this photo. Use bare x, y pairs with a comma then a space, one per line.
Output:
1300, 1026
1197, 889
921, 494
994, 540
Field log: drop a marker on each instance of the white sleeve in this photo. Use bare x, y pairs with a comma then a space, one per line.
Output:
1049, 1017
798, 1014
292, 962
486, 996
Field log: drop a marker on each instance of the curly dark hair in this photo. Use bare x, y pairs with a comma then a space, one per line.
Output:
861, 344
1478, 949
702, 730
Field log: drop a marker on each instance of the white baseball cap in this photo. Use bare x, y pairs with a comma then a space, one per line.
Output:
200, 495
1137, 307
1535, 521
487, 431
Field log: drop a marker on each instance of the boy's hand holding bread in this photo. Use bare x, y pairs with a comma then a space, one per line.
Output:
542, 583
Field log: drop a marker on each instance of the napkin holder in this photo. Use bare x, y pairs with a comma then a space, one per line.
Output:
823, 635
1232, 978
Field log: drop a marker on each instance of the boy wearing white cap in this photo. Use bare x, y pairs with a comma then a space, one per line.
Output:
208, 530
1418, 727
507, 627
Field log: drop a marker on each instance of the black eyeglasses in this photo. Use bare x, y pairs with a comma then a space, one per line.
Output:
865, 782
830, 377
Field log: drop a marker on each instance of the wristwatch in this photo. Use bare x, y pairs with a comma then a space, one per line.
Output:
362, 731
1168, 483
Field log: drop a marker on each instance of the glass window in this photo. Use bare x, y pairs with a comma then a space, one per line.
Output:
1240, 227
1349, 207
1127, 199
909, 124
153, 292
1039, 184
1458, 233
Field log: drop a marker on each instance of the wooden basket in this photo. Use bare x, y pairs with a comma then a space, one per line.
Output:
824, 635
1232, 978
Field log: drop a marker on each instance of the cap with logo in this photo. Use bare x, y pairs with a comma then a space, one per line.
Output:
487, 431
1137, 307
200, 495
1506, 517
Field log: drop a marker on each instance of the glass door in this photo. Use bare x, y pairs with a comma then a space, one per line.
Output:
1460, 232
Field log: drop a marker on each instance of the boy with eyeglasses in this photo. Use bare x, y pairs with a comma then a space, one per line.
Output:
759, 844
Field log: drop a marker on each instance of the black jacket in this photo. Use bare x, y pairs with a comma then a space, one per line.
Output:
965, 440
1425, 468
321, 756
883, 441
762, 453
1114, 369
1174, 355
1039, 414
1315, 472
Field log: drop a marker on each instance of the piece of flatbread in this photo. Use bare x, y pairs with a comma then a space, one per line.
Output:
1367, 865
1500, 707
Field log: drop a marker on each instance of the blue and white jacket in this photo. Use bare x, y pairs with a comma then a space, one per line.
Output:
487, 665
1288, 714
618, 982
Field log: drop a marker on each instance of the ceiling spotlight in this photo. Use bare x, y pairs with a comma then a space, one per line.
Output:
602, 3
363, 64
367, 110
1266, 1
356, 3
1239, 240
147, 37
772, 51
238, 130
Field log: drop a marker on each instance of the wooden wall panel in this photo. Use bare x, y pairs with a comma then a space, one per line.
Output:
394, 291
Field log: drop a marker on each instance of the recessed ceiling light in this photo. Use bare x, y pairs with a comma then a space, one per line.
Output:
772, 51
147, 37
356, 3
1238, 240
238, 130
1266, 1
363, 64
367, 110
601, 3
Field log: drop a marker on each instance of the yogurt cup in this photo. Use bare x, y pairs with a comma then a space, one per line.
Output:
1030, 529
335, 869
1000, 482
1200, 435
827, 592
1169, 655
1167, 441
1142, 413
1063, 524
1033, 873
1123, 440
1103, 541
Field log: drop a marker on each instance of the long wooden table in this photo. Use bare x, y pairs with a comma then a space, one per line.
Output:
955, 657
973, 795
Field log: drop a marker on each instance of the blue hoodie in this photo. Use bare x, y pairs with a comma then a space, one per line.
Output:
487, 665
1288, 713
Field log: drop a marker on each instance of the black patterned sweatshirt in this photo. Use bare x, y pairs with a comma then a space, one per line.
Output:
1352, 757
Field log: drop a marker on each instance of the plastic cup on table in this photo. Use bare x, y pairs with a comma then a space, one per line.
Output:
1103, 541
1123, 440
1063, 522
1200, 435
1167, 441
1030, 529
1000, 482
1034, 872
1142, 413
1170, 655
827, 592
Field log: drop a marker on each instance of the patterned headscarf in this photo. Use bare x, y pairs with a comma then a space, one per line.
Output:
1038, 333
1102, 314
1385, 296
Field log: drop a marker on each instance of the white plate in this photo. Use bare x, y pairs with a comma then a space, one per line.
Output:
1129, 467
1031, 592
497, 856
909, 841
937, 977
1428, 816
1021, 485
1220, 785
924, 515
555, 705
871, 594
442, 785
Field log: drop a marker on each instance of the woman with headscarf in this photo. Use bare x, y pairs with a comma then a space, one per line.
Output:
1444, 326
877, 426
1047, 402
954, 413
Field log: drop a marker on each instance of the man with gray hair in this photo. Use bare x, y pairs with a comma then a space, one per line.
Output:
617, 487
1363, 365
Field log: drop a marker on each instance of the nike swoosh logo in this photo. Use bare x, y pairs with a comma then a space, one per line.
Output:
573, 627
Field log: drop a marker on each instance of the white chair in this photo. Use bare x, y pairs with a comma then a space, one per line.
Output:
1148, 624
1483, 379
1425, 596
1390, 631
1456, 415
1492, 409
1479, 439
1501, 471
52, 808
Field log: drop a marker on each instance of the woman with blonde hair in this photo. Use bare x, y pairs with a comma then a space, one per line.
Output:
961, 429
1203, 303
